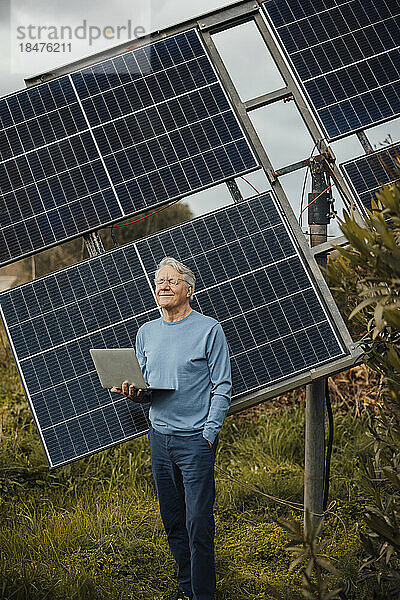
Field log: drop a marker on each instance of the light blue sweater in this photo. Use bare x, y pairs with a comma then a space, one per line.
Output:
191, 356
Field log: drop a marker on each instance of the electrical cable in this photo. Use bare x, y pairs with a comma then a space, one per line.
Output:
292, 505
160, 209
250, 184
302, 196
147, 216
337, 182
312, 201
305, 179
328, 236
330, 445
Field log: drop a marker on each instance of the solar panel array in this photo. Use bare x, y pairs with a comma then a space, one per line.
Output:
110, 140
250, 276
346, 54
367, 173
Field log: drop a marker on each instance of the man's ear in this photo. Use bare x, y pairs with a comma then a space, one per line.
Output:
189, 292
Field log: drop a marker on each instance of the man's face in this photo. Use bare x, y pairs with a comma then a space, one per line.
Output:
171, 296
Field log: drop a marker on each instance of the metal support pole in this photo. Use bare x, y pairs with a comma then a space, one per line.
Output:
234, 190
93, 243
364, 141
314, 449
318, 219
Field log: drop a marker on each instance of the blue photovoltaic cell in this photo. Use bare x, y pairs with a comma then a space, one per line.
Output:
367, 173
346, 55
250, 276
111, 140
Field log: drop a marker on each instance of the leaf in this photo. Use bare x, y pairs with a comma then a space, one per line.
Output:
363, 304
378, 316
392, 317
391, 474
291, 526
296, 562
296, 549
380, 526
389, 260
388, 554
271, 591
334, 595
308, 595
359, 237
368, 545
325, 564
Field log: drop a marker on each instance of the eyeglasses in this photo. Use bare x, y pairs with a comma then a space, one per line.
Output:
172, 281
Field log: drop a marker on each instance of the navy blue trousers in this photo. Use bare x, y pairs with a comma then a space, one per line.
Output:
183, 470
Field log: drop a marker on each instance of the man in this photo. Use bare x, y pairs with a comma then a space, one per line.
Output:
186, 351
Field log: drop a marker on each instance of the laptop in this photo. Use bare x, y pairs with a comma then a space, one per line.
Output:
116, 365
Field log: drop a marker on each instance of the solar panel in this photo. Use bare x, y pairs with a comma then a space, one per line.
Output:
110, 140
346, 55
367, 173
52, 323
251, 276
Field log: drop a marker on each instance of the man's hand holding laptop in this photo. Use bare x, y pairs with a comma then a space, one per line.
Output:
135, 394
114, 365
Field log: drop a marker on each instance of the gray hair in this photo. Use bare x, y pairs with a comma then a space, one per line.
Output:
188, 275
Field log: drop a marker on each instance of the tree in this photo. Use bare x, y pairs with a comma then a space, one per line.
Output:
365, 280
73, 251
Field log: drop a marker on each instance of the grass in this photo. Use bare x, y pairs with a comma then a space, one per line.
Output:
91, 530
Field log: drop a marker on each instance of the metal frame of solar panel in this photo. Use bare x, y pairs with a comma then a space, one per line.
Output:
112, 139
346, 55
281, 323
365, 174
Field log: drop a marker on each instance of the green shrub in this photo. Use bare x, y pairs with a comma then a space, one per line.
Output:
365, 280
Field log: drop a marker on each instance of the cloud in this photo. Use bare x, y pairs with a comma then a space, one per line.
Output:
75, 10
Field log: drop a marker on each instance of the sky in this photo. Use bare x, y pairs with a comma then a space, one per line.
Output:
249, 64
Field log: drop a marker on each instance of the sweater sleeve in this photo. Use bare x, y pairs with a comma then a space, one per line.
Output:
221, 382
140, 352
